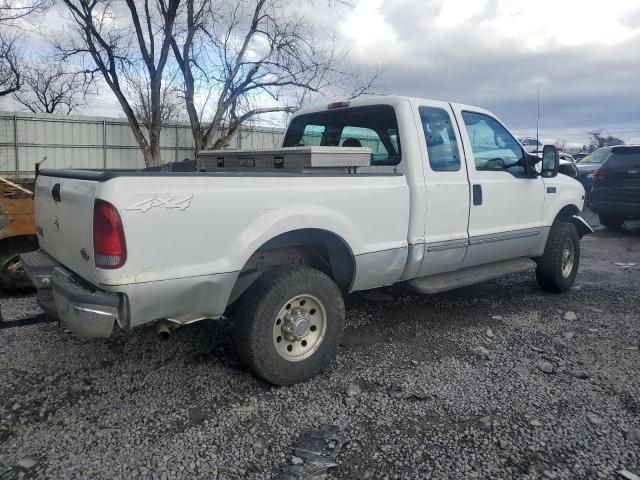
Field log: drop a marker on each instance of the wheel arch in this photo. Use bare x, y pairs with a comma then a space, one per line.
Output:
571, 214
314, 247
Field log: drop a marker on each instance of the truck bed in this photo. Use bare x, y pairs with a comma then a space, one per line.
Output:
184, 225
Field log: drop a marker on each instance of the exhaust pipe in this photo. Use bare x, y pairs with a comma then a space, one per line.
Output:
163, 329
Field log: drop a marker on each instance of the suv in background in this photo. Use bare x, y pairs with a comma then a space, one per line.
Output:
590, 164
615, 185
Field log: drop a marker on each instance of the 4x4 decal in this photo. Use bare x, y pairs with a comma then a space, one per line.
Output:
168, 202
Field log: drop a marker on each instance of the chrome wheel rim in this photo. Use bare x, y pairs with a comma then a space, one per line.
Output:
300, 327
568, 255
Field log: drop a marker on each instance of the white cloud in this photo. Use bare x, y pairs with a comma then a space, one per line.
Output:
495, 53
365, 26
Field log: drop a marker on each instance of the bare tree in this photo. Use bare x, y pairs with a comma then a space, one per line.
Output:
242, 52
10, 65
48, 88
12, 10
126, 39
138, 90
599, 140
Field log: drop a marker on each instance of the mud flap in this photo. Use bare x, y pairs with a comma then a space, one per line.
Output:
581, 225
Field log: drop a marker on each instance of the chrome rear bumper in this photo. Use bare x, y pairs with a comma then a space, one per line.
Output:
87, 311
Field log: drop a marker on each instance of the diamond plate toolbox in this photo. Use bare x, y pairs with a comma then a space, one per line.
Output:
294, 159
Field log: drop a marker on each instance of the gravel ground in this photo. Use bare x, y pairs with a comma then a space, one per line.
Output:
499, 380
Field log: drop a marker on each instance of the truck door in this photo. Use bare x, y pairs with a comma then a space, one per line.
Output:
505, 214
447, 188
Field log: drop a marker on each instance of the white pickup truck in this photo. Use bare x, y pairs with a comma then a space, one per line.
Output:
363, 194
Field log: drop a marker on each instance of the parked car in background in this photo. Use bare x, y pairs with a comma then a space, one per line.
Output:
531, 145
579, 156
590, 164
615, 189
566, 157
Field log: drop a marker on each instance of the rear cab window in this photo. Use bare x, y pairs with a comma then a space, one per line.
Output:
374, 127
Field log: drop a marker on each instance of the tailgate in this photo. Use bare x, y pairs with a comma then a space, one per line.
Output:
64, 221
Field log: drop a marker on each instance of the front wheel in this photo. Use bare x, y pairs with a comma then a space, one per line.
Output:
558, 266
289, 324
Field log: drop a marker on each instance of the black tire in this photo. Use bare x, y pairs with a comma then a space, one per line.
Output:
611, 221
13, 278
258, 309
550, 273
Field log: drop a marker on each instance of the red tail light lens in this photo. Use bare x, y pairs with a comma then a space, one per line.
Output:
109, 247
600, 174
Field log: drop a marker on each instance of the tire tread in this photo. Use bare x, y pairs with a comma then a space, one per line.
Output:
258, 303
548, 271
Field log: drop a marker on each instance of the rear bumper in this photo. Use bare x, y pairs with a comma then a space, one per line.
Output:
607, 207
91, 312
85, 310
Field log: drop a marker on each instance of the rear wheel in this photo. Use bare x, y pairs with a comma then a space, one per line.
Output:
13, 278
611, 221
558, 266
289, 324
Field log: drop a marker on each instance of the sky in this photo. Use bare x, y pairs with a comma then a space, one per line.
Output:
582, 56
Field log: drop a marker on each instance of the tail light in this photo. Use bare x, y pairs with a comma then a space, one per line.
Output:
109, 247
600, 174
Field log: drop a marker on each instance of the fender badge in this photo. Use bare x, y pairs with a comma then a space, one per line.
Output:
56, 224
84, 254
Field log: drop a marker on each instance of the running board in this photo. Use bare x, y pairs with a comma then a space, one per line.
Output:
470, 276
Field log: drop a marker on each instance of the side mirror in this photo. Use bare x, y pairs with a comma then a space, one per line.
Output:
550, 161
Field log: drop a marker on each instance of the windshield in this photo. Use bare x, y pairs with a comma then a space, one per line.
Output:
596, 157
373, 126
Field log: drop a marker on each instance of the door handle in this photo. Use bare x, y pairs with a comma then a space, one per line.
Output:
477, 194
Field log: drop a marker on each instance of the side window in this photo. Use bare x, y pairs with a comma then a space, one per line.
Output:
493, 146
440, 136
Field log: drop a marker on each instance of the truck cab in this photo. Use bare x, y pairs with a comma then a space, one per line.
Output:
476, 195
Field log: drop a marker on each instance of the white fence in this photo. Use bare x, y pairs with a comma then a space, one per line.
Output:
94, 142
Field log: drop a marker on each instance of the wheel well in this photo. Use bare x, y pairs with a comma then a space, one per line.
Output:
566, 214
570, 214
316, 248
